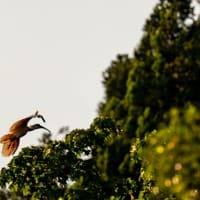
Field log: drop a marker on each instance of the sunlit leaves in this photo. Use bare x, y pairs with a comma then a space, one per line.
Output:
173, 156
145, 143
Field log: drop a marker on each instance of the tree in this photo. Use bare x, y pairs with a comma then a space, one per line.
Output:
114, 81
165, 63
174, 147
88, 164
144, 144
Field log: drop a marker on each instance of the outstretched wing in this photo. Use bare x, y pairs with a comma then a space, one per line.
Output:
10, 147
20, 124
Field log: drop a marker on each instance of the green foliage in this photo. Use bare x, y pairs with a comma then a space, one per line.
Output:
83, 166
145, 142
172, 155
37, 172
3, 195
114, 80
115, 77
107, 163
165, 70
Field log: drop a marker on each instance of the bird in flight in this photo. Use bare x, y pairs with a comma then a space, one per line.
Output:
20, 128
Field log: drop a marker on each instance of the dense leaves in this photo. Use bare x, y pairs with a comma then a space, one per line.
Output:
165, 70
83, 166
175, 150
145, 142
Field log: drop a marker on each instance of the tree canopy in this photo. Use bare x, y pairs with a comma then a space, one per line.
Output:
144, 144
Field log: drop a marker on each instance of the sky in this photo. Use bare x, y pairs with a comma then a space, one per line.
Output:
53, 53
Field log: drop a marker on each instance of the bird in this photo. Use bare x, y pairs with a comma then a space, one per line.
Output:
20, 128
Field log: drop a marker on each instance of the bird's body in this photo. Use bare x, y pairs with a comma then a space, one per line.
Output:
20, 128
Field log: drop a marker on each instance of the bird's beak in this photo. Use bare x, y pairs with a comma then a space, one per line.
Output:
45, 128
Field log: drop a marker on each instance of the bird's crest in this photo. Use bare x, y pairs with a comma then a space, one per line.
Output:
39, 116
36, 113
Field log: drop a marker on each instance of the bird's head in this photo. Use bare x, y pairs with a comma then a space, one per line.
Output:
39, 116
38, 126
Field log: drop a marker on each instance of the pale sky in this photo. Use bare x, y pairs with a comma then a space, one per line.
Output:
53, 53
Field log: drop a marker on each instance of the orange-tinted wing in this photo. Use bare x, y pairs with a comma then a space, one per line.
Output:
23, 122
10, 147
20, 124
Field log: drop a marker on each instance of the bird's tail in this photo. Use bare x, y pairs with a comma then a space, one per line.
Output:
6, 138
10, 144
